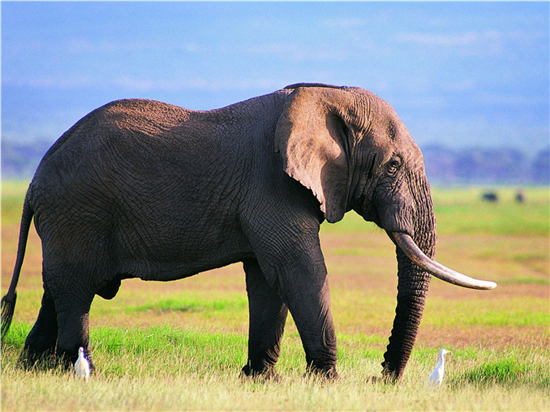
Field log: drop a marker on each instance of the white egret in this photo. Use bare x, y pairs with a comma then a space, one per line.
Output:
437, 375
82, 366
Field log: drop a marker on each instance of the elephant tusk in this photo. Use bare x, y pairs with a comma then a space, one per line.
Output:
418, 257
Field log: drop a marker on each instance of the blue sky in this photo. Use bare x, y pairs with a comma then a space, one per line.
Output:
460, 74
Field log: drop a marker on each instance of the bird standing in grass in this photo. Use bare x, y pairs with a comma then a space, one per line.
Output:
437, 375
81, 366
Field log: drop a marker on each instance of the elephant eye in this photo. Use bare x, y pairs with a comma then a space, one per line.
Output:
394, 164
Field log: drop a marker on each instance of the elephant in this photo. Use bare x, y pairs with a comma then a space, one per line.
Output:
144, 189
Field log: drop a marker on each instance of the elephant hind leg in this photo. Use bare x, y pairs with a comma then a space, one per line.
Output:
41, 342
73, 323
268, 315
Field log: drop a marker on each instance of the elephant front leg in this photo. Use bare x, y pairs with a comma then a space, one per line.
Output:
313, 318
268, 315
306, 292
293, 265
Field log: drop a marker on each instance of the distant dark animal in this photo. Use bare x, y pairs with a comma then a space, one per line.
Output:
490, 197
143, 189
520, 196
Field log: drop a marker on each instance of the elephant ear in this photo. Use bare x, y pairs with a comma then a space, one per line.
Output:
311, 136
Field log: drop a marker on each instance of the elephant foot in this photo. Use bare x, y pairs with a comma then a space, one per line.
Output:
381, 380
328, 373
31, 360
267, 373
388, 377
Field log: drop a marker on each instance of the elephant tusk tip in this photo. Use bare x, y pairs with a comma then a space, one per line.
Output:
490, 285
484, 285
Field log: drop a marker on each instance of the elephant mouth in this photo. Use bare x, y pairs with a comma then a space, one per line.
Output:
413, 252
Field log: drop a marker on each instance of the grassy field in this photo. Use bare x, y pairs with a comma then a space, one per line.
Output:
180, 345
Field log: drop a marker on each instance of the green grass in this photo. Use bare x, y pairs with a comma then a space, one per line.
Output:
516, 311
194, 305
461, 210
505, 371
538, 281
163, 368
13, 193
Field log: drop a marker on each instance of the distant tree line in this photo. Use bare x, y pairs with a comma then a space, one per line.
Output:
20, 159
486, 166
443, 165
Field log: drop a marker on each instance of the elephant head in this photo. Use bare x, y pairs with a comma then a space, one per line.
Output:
352, 151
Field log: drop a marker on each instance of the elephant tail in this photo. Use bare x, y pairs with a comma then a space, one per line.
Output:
8, 301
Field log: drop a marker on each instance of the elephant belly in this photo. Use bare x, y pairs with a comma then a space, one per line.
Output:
180, 258
167, 271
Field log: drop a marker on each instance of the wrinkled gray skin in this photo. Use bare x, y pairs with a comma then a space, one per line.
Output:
142, 189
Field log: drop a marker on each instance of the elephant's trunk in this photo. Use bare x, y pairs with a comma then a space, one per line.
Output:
411, 294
